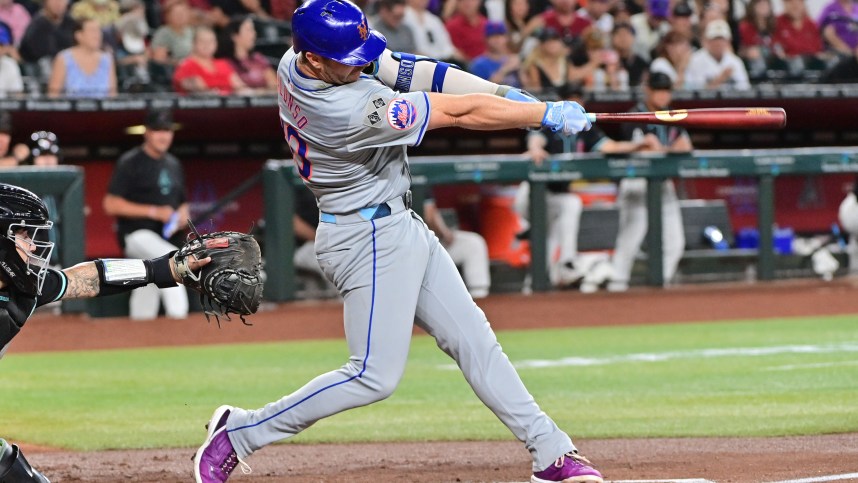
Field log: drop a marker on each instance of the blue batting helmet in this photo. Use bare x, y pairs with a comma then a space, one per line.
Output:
337, 30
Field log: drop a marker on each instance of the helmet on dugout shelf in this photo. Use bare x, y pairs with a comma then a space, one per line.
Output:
337, 30
24, 224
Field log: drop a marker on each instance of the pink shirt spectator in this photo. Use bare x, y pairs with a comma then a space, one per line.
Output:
469, 38
217, 80
16, 17
803, 40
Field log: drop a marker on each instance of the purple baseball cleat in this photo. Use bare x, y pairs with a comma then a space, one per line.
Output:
568, 468
216, 458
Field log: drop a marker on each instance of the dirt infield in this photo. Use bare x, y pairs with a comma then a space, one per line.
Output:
718, 459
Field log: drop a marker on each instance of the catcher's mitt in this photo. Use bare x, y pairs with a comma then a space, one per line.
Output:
232, 281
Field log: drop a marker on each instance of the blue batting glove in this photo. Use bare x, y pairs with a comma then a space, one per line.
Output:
516, 94
567, 116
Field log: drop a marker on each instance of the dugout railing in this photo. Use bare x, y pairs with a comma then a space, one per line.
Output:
279, 179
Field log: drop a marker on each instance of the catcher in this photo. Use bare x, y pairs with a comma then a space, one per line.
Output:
223, 266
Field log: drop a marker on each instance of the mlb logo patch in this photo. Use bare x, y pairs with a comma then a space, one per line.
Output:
401, 114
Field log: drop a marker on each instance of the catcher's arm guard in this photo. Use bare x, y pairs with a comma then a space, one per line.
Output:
232, 281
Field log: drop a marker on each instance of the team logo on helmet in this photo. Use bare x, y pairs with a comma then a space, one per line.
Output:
363, 31
401, 114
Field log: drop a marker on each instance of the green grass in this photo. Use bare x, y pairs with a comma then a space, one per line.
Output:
162, 397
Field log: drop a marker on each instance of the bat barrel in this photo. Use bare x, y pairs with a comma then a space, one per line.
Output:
723, 118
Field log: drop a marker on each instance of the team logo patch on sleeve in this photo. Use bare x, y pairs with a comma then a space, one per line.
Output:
401, 114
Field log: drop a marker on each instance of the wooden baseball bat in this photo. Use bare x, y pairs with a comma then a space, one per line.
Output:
719, 118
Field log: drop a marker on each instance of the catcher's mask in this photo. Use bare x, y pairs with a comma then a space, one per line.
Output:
24, 251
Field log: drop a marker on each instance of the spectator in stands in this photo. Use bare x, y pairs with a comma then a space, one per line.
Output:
518, 14
51, 31
147, 196
546, 68
848, 218
623, 42
283, 9
19, 153
597, 12
498, 64
467, 28
172, 42
564, 207
201, 73
389, 22
756, 34
11, 82
682, 21
797, 38
838, 22
563, 19
223, 10
129, 47
430, 35
84, 70
467, 249
631, 198
16, 17
252, 67
674, 55
106, 12
596, 65
715, 66
650, 26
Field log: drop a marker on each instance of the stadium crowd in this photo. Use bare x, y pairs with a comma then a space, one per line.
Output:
99, 48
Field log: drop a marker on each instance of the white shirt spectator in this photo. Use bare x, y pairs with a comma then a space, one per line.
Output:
703, 68
430, 36
663, 65
10, 77
646, 37
715, 66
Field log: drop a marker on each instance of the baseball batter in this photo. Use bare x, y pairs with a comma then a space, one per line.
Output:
349, 132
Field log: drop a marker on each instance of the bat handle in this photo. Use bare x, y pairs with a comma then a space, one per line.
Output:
591, 117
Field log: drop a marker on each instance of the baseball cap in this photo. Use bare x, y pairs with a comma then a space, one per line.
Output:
159, 120
547, 33
659, 81
682, 10
5, 34
133, 31
658, 8
495, 28
718, 28
5, 122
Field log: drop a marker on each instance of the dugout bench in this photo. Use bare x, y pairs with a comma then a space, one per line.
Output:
765, 165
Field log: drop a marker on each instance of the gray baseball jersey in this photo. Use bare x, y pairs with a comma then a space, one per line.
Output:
356, 160
349, 144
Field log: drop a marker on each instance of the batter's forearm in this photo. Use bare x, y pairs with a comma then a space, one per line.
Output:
483, 112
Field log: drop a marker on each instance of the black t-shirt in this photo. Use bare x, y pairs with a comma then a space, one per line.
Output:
140, 179
43, 38
666, 134
16, 307
558, 143
636, 67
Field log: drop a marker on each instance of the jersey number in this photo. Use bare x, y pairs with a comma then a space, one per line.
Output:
299, 152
